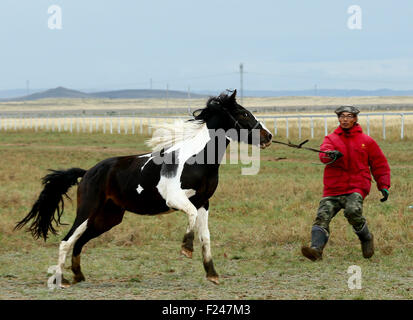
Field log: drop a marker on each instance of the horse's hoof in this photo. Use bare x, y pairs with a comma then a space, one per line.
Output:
64, 283
78, 278
186, 253
214, 279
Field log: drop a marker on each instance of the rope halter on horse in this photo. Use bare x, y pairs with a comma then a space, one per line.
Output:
237, 124
300, 146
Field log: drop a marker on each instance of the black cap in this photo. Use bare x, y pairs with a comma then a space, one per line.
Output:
349, 109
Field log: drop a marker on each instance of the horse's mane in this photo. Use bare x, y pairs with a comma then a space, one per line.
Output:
214, 105
169, 134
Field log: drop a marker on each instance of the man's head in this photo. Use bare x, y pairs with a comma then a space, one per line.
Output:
347, 116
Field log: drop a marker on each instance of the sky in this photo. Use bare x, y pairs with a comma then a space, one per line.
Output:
283, 45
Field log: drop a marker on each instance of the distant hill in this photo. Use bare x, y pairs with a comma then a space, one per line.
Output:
143, 94
61, 92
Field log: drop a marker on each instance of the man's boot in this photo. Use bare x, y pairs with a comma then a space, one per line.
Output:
367, 241
319, 238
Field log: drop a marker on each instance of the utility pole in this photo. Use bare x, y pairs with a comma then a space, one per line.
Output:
167, 95
315, 90
189, 100
241, 71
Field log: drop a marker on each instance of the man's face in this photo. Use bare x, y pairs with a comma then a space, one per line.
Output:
347, 120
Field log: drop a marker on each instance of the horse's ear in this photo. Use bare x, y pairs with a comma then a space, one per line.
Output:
232, 97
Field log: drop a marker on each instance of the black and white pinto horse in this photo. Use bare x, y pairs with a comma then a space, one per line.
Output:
143, 184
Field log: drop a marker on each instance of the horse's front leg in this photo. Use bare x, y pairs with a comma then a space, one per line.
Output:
188, 243
204, 238
181, 202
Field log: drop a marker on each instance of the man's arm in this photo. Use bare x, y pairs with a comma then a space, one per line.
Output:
328, 145
379, 166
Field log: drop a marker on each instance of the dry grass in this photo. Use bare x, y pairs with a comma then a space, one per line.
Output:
49, 105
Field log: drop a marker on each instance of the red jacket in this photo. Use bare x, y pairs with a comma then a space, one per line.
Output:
351, 173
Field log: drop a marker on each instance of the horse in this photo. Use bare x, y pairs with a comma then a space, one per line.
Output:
147, 184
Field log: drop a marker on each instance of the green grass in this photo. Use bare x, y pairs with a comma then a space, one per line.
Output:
257, 223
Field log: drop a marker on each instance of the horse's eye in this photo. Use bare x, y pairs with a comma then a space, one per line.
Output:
246, 115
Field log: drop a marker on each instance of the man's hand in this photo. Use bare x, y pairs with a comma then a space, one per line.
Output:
335, 154
385, 193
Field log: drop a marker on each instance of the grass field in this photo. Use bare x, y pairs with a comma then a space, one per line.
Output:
258, 224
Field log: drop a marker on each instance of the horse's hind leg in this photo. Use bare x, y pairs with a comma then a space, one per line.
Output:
105, 219
66, 244
85, 210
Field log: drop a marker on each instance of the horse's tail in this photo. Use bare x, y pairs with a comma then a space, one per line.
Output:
56, 184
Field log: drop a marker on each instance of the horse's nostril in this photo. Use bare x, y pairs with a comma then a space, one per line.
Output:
269, 136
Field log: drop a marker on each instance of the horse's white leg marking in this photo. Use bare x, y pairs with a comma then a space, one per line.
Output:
203, 233
180, 201
65, 246
189, 192
175, 197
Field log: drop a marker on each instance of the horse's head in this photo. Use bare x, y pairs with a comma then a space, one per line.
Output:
223, 112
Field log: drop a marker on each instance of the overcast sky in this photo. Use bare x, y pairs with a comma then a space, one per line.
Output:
284, 45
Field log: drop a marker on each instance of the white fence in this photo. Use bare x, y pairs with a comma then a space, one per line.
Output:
280, 125
398, 118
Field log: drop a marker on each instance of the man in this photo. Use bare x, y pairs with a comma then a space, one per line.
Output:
347, 181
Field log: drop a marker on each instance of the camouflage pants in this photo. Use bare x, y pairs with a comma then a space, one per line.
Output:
353, 210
